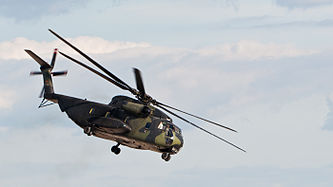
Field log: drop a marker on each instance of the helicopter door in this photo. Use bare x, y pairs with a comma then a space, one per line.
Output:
147, 127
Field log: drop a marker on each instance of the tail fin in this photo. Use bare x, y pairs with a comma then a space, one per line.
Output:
46, 71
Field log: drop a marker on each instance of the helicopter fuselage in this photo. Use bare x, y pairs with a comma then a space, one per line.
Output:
125, 121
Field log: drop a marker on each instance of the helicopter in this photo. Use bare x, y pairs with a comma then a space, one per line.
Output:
137, 123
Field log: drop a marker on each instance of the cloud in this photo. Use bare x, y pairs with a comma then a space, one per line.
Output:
328, 124
25, 10
299, 24
253, 50
242, 50
15, 49
6, 99
303, 3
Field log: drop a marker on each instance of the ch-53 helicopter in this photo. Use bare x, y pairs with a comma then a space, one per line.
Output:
136, 123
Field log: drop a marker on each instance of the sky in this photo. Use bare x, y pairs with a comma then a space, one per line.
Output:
262, 67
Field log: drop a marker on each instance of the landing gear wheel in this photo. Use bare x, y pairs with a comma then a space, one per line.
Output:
166, 156
115, 149
88, 131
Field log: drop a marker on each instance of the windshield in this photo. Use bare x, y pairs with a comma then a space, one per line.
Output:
172, 127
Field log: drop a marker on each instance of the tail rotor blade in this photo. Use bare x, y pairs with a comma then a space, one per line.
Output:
42, 92
59, 73
54, 57
36, 73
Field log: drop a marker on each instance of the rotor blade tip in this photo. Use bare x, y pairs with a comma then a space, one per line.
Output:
51, 31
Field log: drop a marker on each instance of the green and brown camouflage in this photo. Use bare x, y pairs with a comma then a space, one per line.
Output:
117, 121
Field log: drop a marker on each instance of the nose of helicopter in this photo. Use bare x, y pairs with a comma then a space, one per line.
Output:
178, 144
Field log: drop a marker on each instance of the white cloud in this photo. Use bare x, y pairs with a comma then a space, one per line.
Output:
3, 129
242, 50
6, 99
253, 50
328, 124
15, 49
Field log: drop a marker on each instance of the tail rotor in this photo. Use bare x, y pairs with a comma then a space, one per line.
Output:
45, 69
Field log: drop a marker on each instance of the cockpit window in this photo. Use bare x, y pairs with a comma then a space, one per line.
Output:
169, 133
168, 127
177, 130
161, 126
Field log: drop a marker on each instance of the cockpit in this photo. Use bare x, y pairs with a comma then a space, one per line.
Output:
169, 127
172, 134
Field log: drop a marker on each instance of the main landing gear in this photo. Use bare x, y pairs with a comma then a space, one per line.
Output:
166, 156
88, 130
115, 149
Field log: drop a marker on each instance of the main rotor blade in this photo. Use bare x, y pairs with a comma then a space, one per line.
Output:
93, 62
139, 82
172, 113
40, 61
198, 117
95, 71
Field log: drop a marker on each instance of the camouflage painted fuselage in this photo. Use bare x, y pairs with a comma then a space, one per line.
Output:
126, 121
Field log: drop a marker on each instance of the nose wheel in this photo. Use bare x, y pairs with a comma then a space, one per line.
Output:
115, 149
166, 156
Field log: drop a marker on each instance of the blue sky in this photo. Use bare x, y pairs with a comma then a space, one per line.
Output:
262, 67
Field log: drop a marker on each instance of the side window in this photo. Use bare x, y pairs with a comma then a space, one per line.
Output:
148, 125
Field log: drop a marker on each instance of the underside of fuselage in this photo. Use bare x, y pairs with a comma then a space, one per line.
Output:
123, 140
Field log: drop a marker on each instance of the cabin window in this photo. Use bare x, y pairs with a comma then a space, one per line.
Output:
147, 125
